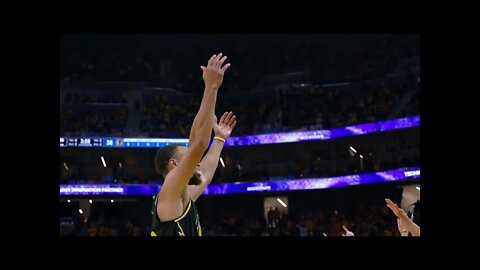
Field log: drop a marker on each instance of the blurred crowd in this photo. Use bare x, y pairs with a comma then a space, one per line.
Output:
371, 220
106, 219
319, 165
176, 62
167, 114
366, 90
93, 229
362, 219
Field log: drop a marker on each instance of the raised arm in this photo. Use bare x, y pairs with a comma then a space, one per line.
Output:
213, 78
177, 180
223, 129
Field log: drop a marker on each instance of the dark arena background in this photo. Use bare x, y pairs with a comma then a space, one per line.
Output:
328, 127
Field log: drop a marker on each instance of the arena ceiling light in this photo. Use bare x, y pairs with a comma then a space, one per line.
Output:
80, 211
418, 188
65, 165
353, 149
90, 201
221, 161
281, 202
103, 161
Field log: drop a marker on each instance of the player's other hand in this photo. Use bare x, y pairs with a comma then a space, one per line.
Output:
225, 125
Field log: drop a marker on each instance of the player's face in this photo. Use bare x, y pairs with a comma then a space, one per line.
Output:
196, 177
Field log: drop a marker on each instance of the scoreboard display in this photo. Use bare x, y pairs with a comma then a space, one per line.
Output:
81, 142
120, 142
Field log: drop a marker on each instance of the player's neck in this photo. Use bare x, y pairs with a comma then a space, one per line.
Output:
185, 195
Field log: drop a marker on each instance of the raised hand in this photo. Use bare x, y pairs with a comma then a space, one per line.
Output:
213, 72
396, 210
225, 126
404, 223
347, 232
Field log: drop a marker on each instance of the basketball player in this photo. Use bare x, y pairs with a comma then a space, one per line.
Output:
186, 173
